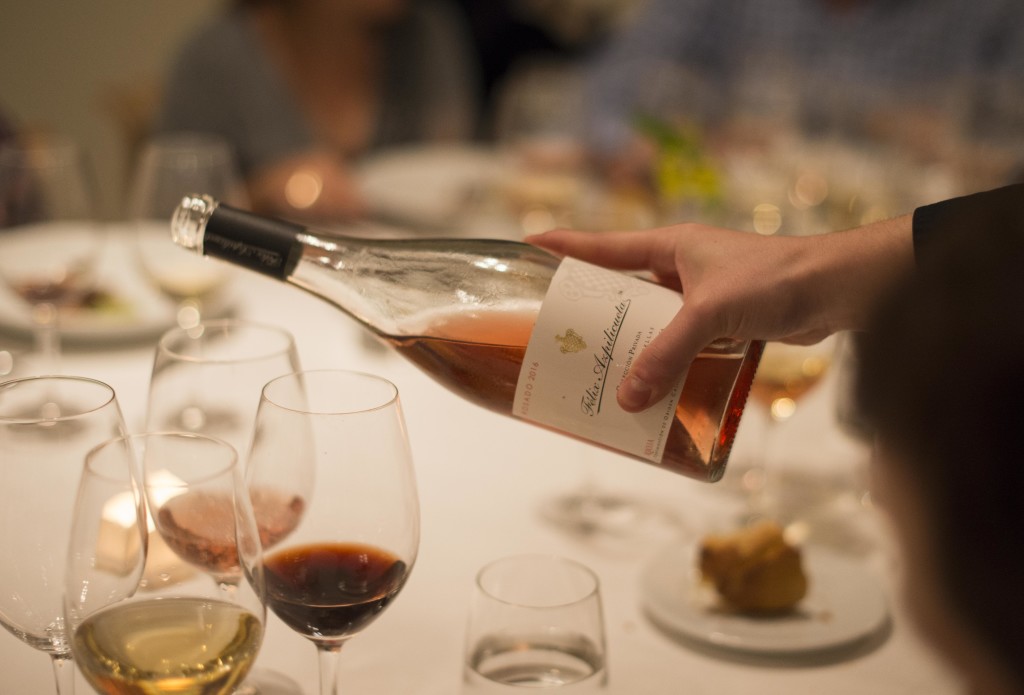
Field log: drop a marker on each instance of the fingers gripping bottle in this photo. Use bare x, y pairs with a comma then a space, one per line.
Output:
505, 325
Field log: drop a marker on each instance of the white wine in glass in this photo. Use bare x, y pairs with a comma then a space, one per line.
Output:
787, 373
179, 629
171, 165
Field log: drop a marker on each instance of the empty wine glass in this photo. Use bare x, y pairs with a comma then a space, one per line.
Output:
536, 621
170, 166
49, 240
181, 630
786, 374
592, 509
208, 378
331, 453
537, 128
47, 425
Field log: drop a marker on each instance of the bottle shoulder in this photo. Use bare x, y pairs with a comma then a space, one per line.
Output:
488, 255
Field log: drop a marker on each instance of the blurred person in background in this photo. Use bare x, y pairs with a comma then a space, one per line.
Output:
7, 135
303, 88
920, 74
509, 35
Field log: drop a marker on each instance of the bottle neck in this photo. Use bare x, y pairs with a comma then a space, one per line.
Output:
268, 246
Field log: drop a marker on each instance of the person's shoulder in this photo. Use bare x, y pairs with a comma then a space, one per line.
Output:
225, 38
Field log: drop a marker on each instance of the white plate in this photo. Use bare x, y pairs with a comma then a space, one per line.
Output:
141, 313
844, 604
427, 185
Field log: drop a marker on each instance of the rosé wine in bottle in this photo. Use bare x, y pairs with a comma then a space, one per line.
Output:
505, 325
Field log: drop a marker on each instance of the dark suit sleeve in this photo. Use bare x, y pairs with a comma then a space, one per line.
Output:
1001, 207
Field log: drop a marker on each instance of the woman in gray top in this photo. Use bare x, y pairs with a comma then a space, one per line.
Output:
302, 88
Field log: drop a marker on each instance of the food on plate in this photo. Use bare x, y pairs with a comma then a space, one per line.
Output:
754, 569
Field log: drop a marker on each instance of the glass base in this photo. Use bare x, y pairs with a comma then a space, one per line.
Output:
594, 512
267, 682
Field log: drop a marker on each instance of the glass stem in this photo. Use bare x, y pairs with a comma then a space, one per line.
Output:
756, 480
63, 673
47, 337
329, 658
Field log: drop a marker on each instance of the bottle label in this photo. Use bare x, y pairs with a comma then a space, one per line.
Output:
592, 325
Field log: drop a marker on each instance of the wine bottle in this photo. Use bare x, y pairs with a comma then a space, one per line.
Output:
507, 326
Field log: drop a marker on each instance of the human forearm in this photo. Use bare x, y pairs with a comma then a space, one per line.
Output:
845, 273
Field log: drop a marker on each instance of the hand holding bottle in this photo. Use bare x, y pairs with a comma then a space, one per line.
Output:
505, 325
744, 286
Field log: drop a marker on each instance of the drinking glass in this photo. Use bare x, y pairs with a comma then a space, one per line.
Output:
331, 457
194, 621
538, 132
169, 167
785, 375
49, 240
208, 378
536, 621
593, 509
47, 425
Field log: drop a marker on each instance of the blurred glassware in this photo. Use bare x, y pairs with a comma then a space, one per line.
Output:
787, 373
538, 129
169, 167
592, 510
194, 619
49, 239
47, 425
107, 549
208, 378
536, 621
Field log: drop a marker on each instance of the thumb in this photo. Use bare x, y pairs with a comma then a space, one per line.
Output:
662, 363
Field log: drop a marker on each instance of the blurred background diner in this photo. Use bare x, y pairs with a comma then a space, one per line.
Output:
503, 118
699, 101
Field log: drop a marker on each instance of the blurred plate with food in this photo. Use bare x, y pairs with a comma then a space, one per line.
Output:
743, 593
119, 304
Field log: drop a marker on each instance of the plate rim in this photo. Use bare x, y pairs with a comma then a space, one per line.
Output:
678, 559
150, 313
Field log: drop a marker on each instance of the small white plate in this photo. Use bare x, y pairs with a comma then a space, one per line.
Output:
844, 604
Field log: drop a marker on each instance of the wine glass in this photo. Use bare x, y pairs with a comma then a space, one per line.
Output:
208, 378
537, 128
194, 621
536, 621
786, 374
47, 425
169, 167
331, 453
49, 241
592, 509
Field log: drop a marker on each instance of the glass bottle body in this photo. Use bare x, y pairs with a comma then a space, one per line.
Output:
463, 311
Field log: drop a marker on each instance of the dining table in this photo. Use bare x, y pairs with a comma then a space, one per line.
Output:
486, 483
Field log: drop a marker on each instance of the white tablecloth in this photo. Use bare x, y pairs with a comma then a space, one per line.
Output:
482, 479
